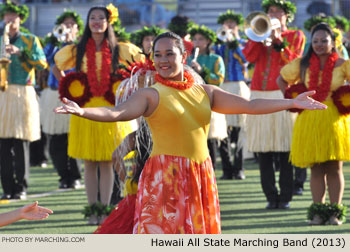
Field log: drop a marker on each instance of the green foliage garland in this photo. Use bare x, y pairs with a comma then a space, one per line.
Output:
70, 13
97, 209
326, 210
230, 14
21, 10
120, 32
311, 22
137, 36
288, 7
205, 31
342, 22
178, 29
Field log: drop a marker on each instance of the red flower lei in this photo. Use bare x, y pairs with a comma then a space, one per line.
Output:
292, 92
182, 85
66, 81
341, 99
323, 89
98, 88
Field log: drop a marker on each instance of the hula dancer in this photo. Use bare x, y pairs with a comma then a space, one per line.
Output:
322, 18
96, 59
321, 140
177, 192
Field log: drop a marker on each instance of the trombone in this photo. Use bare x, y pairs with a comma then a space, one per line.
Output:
258, 27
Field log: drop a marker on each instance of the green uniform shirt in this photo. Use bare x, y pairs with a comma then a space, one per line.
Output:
23, 72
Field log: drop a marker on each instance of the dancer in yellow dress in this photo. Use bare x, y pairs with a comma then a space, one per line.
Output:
95, 59
177, 191
321, 139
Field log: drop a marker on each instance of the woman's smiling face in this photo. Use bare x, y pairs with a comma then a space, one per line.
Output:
168, 60
322, 43
98, 21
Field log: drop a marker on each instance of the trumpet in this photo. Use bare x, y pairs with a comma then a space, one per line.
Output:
4, 58
61, 32
258, 27
224, 34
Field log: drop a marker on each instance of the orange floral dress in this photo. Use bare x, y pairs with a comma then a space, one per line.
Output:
177, 189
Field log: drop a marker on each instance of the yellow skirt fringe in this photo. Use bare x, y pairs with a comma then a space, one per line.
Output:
320, 136
95, 141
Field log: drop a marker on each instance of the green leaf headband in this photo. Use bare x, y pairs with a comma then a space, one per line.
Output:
21, 10
342, 22
288, 7
311, 22
205, 31
137, 36
229, 14
75, 16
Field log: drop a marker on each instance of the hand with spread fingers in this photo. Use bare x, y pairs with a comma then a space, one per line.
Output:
304, 101
69, 107
34, 212
29, 212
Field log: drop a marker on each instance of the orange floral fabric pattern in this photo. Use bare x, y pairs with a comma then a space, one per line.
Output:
177, 196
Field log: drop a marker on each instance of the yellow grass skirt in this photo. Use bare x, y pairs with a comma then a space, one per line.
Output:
19, 113
92, 140
319, 136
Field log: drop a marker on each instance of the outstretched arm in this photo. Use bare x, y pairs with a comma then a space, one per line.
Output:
142, 103
28, 212
227, 103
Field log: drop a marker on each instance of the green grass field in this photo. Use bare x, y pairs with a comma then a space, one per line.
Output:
242, 207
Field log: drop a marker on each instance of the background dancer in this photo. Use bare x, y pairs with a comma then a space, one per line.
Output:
321, 140
96, 57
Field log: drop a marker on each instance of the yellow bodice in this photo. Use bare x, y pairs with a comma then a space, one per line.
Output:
291, 74
180, 123
65, 58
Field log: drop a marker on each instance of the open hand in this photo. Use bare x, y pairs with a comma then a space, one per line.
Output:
69, 107
34, 212
304, 101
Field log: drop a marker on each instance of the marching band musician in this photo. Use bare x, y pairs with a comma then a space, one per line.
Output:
230, 49
19, 108
212, 69
270, 135
69, 25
